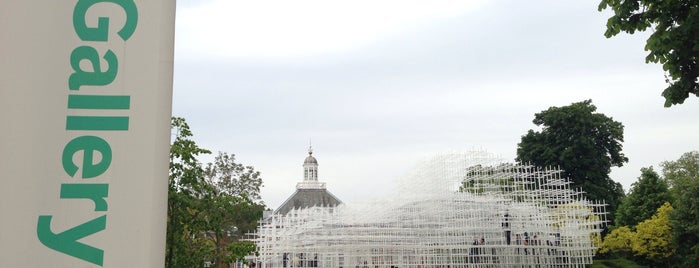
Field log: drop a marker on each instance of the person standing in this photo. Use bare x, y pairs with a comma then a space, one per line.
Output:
506, 226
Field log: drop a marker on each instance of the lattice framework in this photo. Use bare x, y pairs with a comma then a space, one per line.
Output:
457, 210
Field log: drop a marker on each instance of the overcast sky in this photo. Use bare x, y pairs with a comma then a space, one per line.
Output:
380, 85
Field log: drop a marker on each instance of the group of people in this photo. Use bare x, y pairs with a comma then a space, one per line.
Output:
533, 241
299, 260
477, 251
526, 242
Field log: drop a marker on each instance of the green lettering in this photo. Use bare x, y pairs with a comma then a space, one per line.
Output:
99, 102
101, 32
67, 241
95, 77
94, 192
97, 123
87, 144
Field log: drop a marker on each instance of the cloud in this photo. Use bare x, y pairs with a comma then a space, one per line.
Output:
380, 84
278, 28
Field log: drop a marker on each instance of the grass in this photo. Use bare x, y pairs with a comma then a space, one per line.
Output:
614, 263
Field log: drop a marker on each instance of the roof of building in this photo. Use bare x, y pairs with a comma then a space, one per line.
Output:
310, 159
304, 198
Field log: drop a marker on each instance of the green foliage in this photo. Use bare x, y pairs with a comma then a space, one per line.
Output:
653, 239
646, 196
238, 250
240, 183
184, 248
498, 178
221, 217
583, 143
185, 170
615, 263
233, 178
208, 209
683, 176
682, 172
618, 241
671, 236
674, 44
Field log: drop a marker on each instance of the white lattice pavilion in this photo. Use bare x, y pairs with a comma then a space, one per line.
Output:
457, 210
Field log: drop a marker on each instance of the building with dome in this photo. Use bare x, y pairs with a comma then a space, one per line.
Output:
310, 192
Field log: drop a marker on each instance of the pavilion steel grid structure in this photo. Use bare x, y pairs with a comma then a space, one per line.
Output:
456, 210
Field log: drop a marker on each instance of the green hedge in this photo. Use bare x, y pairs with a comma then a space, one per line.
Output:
614, 263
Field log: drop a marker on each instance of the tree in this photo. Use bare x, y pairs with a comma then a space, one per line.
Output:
209, 209
186, 173
184, 248
479, 178
225, 219
234, 178
243, 184
683, 171
645, 197
674, 44
239, 250
683, 176
653, 239
618, 240
234, 206
583, 143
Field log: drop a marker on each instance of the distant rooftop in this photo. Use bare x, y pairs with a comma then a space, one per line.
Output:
309, 192
305, 198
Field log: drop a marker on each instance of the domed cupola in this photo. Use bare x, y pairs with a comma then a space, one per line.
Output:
310, 159
310, 192
310, 167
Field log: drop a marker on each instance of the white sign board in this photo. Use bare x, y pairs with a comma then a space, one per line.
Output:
85, 104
